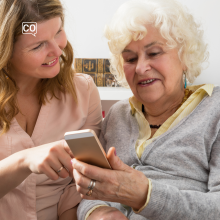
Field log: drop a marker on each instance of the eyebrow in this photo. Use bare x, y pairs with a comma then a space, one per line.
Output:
146, 46
44, 41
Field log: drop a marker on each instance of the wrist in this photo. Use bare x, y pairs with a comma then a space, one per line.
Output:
22, 162
147, 199
142, 195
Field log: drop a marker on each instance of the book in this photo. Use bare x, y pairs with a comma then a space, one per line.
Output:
98, 69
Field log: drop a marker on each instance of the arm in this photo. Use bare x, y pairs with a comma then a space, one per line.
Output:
12, 173
86, 206
168, 202
103, 212
107, 213
94, 118
45, 159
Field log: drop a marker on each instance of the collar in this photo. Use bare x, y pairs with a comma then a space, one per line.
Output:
137, 106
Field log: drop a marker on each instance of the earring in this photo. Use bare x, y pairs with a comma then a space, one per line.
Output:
5, 72
185, 84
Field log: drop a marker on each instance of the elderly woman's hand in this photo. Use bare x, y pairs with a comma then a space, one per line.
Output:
107, 213
123, 184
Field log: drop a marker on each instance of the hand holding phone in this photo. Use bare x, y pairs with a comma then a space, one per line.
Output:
86, 147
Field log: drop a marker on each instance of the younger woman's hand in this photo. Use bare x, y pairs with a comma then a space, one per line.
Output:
49, 159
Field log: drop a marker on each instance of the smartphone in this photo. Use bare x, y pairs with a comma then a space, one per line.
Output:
86, 147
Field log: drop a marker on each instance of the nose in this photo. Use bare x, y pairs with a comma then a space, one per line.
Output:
56, 50
143, 65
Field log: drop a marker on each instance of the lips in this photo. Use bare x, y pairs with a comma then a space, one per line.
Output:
49, 63
146, 81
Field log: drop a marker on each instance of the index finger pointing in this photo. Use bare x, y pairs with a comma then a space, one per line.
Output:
65, 157
67, 149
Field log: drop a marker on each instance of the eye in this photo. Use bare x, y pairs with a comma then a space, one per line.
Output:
153, 54
59, 31
131, 60
38, 46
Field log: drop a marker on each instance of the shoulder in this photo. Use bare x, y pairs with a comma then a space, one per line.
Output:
119, 120
216, 92
208, 110
121, 107
213, 100
120, 111
83, 79
84, 82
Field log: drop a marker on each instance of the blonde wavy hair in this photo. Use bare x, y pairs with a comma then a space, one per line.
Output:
12, 14
173, 21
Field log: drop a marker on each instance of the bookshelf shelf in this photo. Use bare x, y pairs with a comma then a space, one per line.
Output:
114, 93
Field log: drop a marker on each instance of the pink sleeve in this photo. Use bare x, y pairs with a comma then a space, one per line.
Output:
94, 118
69, 199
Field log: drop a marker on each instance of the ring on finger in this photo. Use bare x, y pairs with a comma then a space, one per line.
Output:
60, 169
89, 193
91, 185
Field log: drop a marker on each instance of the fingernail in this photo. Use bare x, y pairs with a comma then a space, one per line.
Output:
115, 153
71, 161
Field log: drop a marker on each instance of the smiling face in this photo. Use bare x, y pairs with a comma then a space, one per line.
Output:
152, 70
31, 53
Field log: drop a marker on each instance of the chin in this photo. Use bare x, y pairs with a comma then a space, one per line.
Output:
150, 99
52, 74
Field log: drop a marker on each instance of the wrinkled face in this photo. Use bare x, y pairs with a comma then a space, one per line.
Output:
153, 71
38, 56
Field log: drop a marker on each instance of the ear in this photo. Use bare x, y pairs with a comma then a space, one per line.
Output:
184, 67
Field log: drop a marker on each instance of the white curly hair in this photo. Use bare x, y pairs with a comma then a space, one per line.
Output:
173, 21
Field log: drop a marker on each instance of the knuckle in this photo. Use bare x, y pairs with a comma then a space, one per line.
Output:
63, 144
77, 179
64, 174
80, 180
54, 177
47, 159
83, 196
85, 171
53, 149
79, 189
41, 167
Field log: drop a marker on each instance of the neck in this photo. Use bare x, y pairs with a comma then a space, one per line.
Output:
27, 85
157, 113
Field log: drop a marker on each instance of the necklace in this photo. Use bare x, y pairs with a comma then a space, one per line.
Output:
155, 126
187, 94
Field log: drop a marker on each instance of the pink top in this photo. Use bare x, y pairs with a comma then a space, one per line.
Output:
38, 197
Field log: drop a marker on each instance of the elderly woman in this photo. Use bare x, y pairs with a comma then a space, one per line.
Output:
167, 135
41, 97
